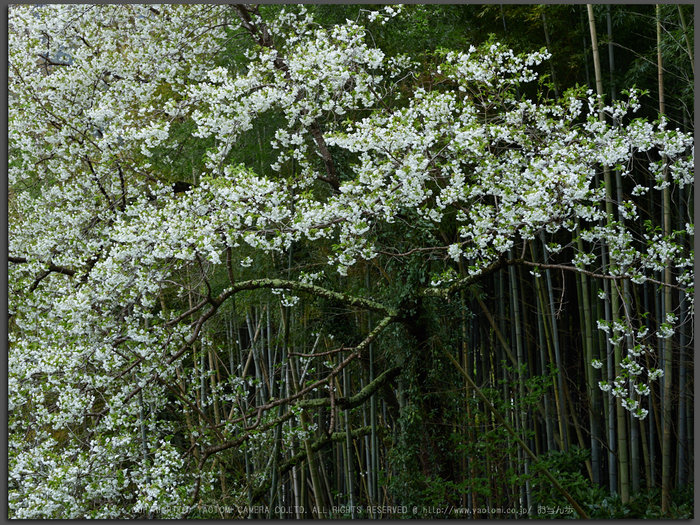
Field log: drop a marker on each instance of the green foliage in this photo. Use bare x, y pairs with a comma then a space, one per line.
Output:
569, 469
644, 505
599, 503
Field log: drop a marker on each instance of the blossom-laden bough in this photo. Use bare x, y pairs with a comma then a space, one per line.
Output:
104, 255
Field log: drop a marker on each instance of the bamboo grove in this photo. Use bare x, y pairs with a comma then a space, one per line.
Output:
350, 262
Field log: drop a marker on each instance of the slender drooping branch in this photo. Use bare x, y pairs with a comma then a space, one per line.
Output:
592, 274
689, 47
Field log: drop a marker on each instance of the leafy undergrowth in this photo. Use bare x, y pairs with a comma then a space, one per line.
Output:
597, 501
644, 505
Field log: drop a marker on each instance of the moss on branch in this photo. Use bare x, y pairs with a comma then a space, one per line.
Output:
283, 284
359, 398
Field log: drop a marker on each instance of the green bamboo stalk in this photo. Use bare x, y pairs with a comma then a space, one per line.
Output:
585, 48
611, 53
304, 488
646, 457
469, 459
202, 377
551, 64
542, 331
682, 398
543, 365
668, 306
276, 453
249, 481
546, 342
626, 297
522, 376
366, 447
620, 411
310, 458
230, 333
374, 465
557, 352
269, 367
610, 399
348, 446
591, 373
297, 484
689, 47
328, 495
645, 454
213, 365
577, 428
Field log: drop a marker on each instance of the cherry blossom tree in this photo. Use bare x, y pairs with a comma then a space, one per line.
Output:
117, 281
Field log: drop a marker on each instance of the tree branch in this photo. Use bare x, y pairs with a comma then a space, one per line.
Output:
52, 267
359, 398
588, 272
283, 284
